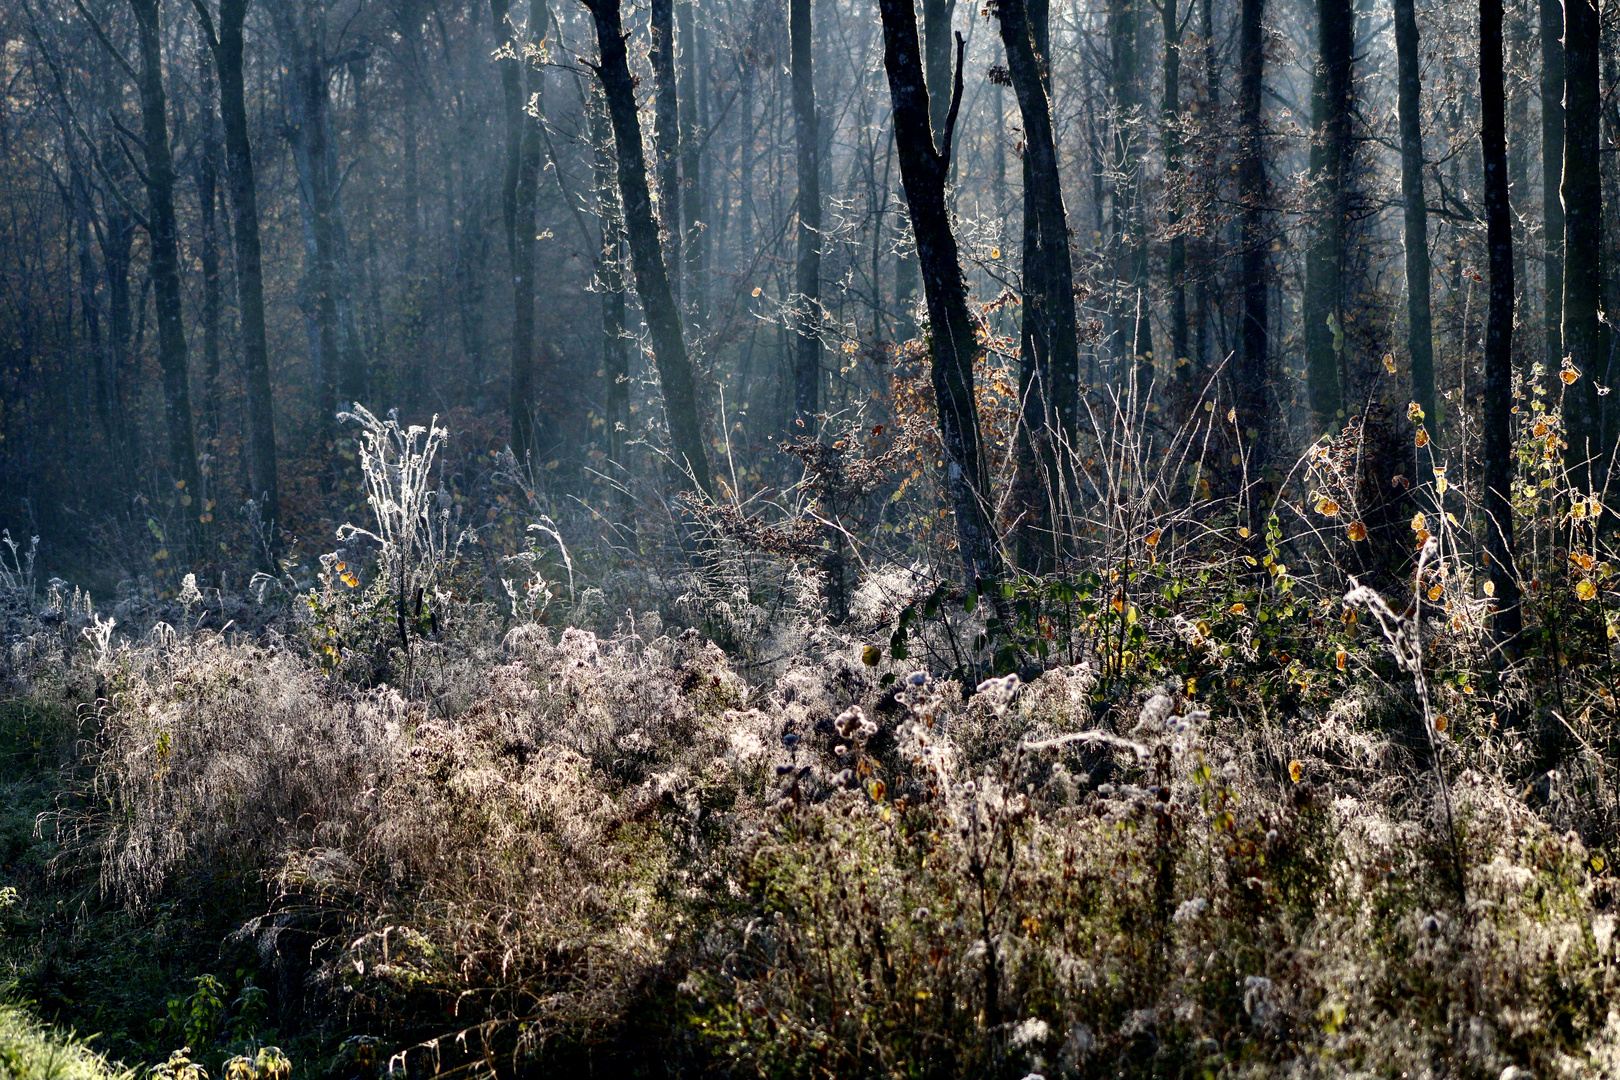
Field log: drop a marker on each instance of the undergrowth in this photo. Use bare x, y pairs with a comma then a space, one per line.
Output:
1218, 795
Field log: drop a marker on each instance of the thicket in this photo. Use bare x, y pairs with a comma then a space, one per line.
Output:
1210, 799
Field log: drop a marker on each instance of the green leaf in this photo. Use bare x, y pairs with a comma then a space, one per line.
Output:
970, 601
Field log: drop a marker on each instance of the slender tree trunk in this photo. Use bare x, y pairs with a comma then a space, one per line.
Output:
936, 34
1497, 454
228, 49
610, 282
1419, 329
1175, 270
1552, 171
1208, 246
652, 280
1324, 308
667, 137
327, 296
207, 177
694, 196
1584, 339
954, 347
165, 254
1052, 397
1254, 266
807, 304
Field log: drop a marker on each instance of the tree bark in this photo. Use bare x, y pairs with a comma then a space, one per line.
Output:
1419, 326
206, 174
936, 33
1552, 171
1584, 339
1254, 262
1497, 453
694, 194
807, 304
228, 48
1175, 270
326, 295
1051, 397
652, 280
954, 347
1330, 160
667, 137
165, 253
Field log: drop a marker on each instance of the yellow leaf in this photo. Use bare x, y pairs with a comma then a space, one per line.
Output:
1441, 723
1585, 590
877, 789
1296, 770
1342, 660
1239, 609
871, 655
1357, 531
1419, 522
1389, 363
1153, 538
1421, 439
160, 554
1569, 375
1414, 412
1490, 588
1434, 592
1327, 507
1244, 532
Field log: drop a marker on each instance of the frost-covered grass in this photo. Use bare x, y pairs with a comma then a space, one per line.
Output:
620, 849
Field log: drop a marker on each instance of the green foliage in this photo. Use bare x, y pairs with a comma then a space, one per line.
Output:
30, 1051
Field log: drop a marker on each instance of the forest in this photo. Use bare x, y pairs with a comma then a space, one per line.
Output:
809, 538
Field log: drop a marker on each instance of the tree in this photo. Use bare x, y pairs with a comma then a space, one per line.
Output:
1175, 270
1254, 192
228, 47
953, 345
1552, 169
1419, 331
666, 136
1050, 366
647, 259
524, 88
1497, 453
325, 294
164, 235
1330, 160
807, 302
1585, 341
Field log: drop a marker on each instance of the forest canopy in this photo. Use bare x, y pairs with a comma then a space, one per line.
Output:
809, 537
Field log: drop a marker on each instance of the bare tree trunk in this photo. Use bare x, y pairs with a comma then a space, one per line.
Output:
1330, 161
228, 48
610, 281
694, 122
327, 296
1584, 338
207, 177
923, 170
1175, 270
652, 280
936, 34
667, 138
1552, 171
1254, 270
1052, 398
1419, 327
807, 304
1497, 454
165, 253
